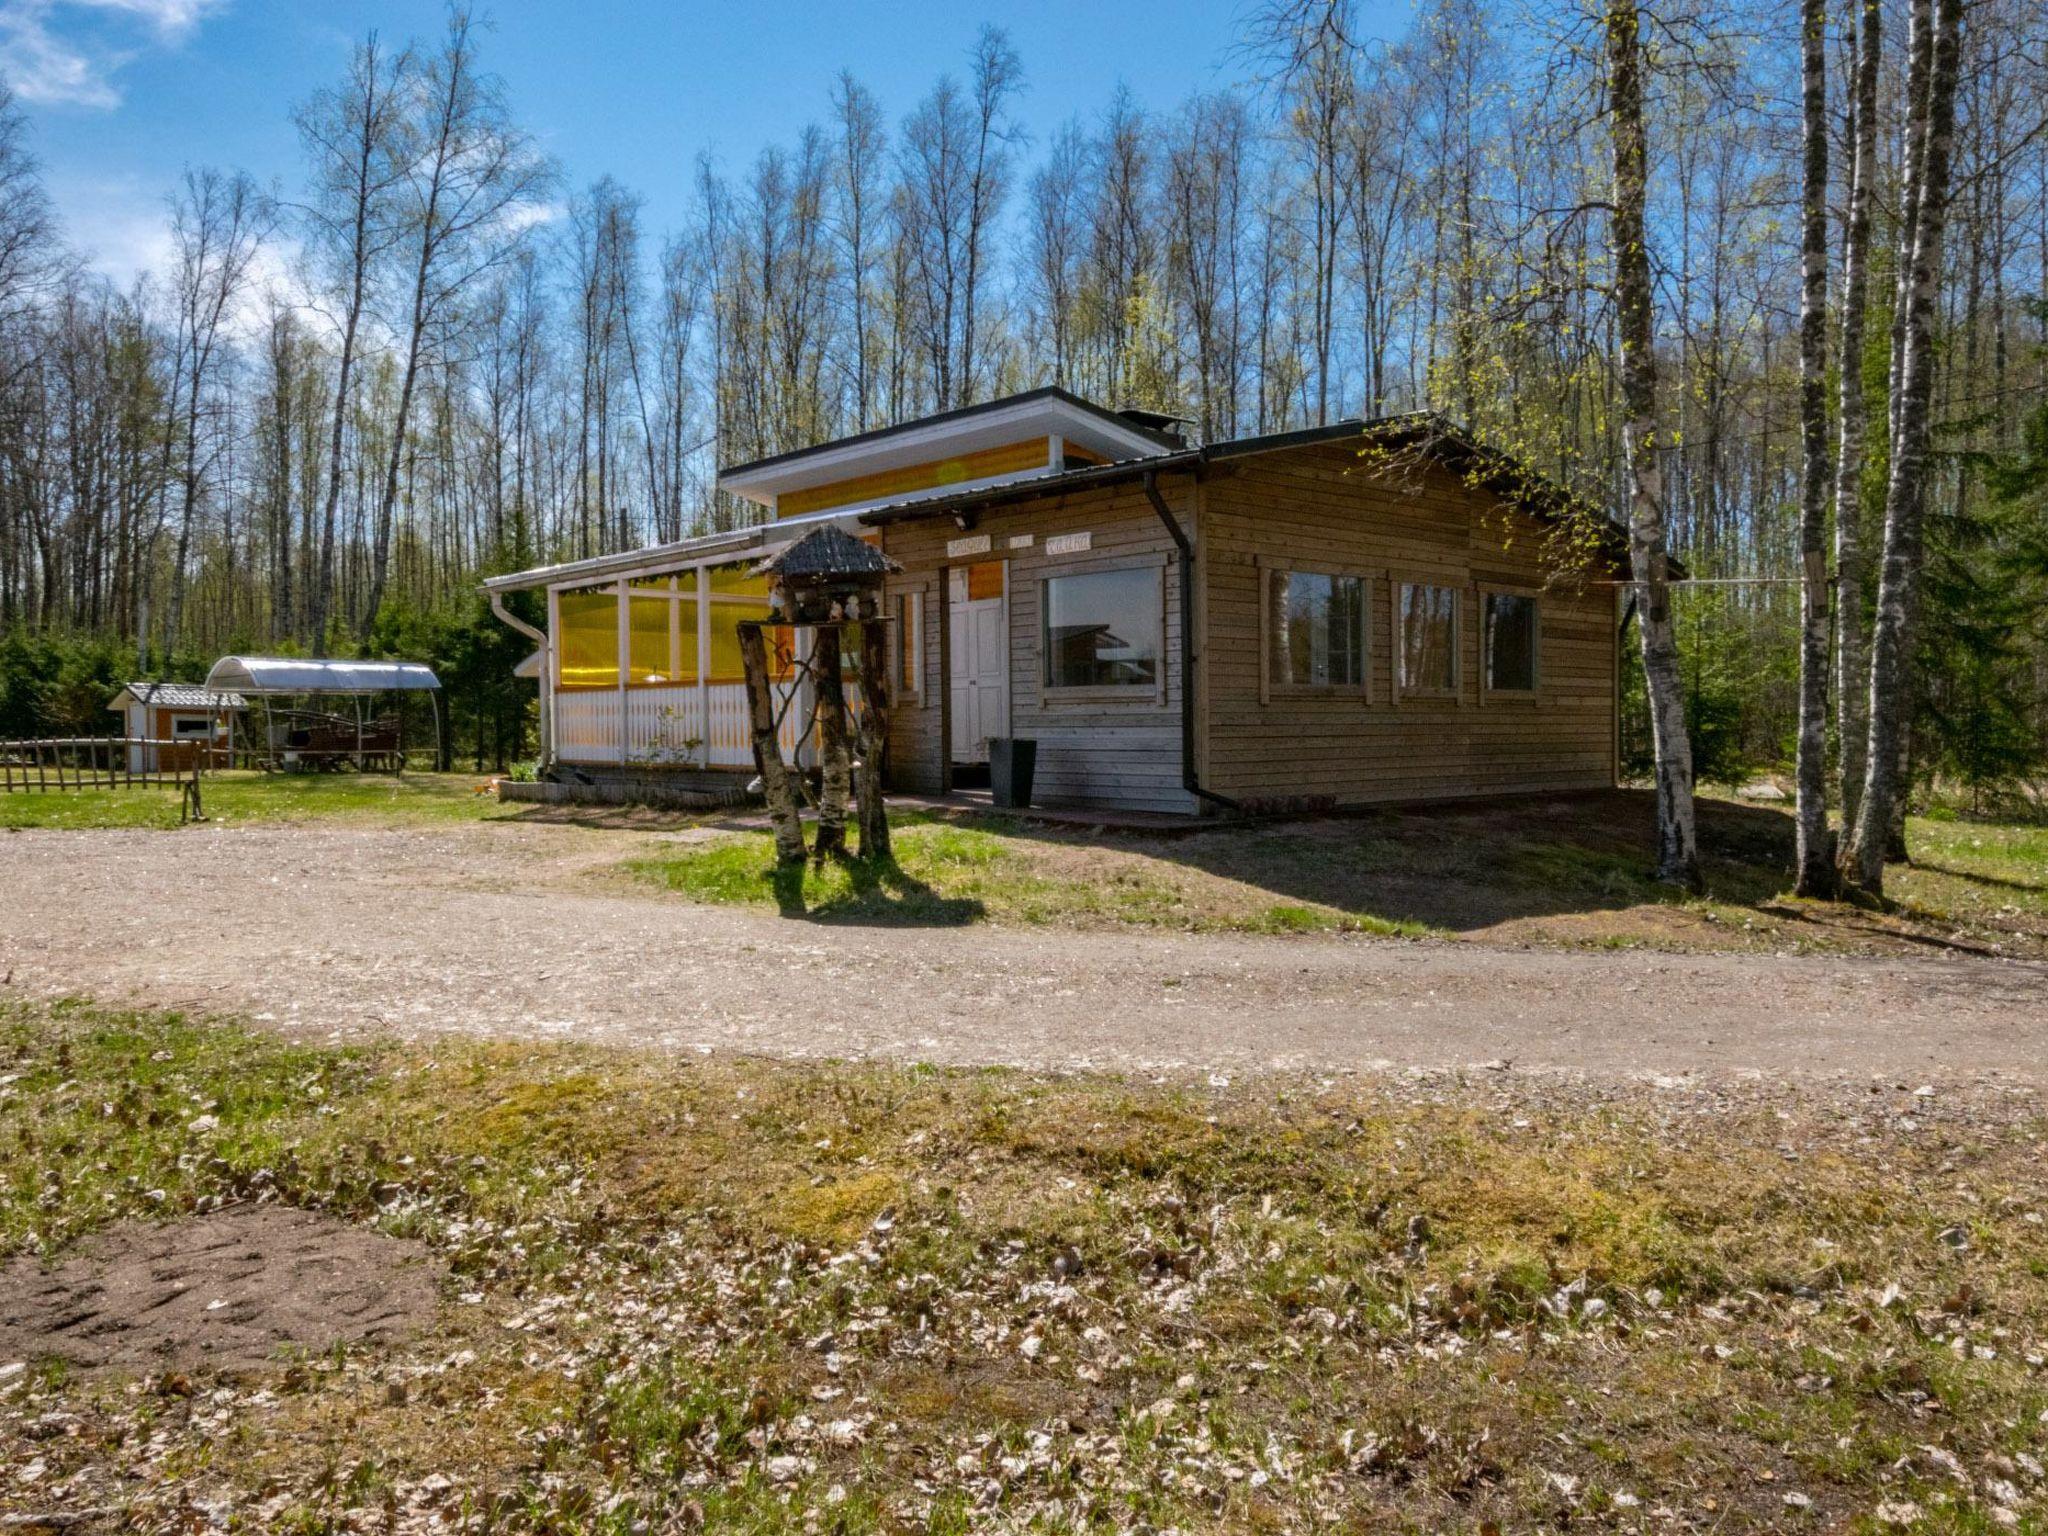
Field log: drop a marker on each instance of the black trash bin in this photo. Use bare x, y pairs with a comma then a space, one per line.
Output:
1011, 762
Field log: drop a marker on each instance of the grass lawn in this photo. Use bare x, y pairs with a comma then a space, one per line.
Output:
244, 796
760, 1297
1571, 870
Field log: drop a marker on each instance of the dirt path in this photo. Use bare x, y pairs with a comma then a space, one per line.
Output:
493, 929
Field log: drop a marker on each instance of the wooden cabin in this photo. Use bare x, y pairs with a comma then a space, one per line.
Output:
187, 714
1364, 612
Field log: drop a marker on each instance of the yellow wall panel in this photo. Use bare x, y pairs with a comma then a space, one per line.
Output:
1006, 459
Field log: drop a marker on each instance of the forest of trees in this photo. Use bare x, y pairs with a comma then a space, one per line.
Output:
430, 357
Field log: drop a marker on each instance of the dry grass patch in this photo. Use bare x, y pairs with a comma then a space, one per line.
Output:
760, 1297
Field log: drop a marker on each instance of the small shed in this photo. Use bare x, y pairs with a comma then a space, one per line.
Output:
323, 714
184, 713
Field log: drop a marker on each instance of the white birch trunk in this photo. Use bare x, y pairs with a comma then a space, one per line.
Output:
1935, 48
1649, 558
1816, 864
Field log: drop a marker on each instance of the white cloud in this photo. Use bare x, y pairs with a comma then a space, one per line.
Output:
68, 51
121, 226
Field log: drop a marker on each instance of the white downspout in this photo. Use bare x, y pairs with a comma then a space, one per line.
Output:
547, 672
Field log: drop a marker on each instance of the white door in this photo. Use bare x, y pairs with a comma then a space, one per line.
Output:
979, 641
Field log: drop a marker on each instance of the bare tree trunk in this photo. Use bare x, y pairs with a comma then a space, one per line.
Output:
1816, 864
874, 738
1852, 643
835, 785
348, 135
775, 784
1935, 48
1649, 559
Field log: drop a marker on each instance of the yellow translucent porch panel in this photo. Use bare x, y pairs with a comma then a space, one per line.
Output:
588, 639
735, 581
651, 640
726, 666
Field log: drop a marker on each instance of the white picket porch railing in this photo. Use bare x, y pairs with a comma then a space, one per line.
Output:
674, 726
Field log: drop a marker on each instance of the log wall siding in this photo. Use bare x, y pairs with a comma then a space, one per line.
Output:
1315, 506
1121, 752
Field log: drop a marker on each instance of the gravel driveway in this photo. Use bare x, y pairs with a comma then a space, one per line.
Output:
501, 930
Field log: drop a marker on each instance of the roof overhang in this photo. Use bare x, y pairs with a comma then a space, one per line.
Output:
705, 549
1048, 412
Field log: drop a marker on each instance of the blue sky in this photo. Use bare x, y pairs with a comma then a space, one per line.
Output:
123, 94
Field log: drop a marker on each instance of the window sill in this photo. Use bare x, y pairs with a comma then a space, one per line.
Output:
1111, 693
1325, 693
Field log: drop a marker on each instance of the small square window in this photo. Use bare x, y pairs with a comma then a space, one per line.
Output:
1429, 639
1317, 628
1510, 642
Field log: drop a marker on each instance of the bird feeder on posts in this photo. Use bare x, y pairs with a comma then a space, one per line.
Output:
832, 584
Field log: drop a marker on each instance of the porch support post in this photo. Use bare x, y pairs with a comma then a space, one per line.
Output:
625, 644
704, 665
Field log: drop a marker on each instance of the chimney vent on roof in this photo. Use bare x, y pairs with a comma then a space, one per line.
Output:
1163, 422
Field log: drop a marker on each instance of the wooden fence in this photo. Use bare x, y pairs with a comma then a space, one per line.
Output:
107, 762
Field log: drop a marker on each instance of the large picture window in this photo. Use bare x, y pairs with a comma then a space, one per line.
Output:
1102, 629
1317, 630
1510, 642
1429, 639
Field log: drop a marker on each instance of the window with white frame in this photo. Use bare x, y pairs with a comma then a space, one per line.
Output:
1316, 630
1103, 628
185, 726
1510, 630
1428, 651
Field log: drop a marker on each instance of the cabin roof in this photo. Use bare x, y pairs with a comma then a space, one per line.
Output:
179, 696
1138, 422
1422, 434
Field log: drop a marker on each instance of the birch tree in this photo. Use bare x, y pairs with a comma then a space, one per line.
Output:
1815, 855
1934, 50
468, 168
348, 136
217, 224
1851, 646
1649, 559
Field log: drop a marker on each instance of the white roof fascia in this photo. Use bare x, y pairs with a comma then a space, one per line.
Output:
916, 443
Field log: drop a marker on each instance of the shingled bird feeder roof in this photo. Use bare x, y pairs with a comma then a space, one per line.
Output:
827, 554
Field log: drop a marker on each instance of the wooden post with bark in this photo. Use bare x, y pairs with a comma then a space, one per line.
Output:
1649, 556
874, 739
835, 766
776, 788
1816, 862
826, 581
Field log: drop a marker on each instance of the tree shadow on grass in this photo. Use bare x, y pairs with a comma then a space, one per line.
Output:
1997, 882
877, 892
